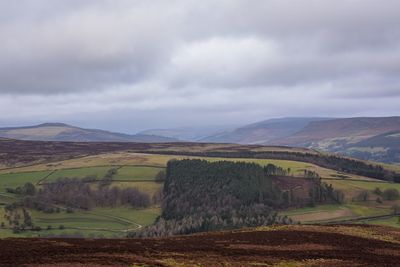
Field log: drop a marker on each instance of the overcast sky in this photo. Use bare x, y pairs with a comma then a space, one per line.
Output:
131, 65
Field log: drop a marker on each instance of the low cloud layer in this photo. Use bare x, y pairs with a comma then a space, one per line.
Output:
130, 65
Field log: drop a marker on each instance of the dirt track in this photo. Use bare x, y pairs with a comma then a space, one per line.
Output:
310, 245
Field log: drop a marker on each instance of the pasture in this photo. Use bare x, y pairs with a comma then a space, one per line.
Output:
393, 222
15, 179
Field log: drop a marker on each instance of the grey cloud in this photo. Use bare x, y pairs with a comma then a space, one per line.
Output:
91, 47
81, 45
209, 60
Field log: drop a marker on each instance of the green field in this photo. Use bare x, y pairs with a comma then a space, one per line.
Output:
139, 216
353, 188
120, 218
328, 207
104, 222
124, 173
363, 185
97, 172
130, 173
149, 187
13, 180
393, 222
335, 212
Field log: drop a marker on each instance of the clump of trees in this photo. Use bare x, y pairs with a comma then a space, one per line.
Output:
387, 194
391, 194
363, 196
108, 177
79, 194
322, 192
18, 218
74, 193
207, 196
273, 170
27, 189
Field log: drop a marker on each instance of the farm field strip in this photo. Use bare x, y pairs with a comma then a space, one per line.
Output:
107, 159
125, 173
13, 180
114, 220
354, 186
392, 221
158, 160
338, 213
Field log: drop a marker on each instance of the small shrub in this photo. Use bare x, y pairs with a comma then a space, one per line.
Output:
160, 177
363, 196
37, 228
391, 194
378, 191
396, 209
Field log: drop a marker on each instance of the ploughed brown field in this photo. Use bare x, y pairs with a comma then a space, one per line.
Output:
295, 245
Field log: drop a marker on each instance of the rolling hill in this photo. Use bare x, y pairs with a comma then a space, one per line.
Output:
334, 134
366, 138
65, 132
371, 138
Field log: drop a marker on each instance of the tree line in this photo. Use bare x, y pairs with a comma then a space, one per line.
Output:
74, 193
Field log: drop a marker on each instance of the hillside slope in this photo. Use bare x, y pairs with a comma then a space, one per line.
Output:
384, 147
65, 132
336, 133
370, 138
262, 132
366, 138
295, 245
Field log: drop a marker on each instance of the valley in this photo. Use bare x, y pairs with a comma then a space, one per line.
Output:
139, 170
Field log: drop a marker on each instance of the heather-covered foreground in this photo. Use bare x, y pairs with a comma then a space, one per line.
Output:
281, 245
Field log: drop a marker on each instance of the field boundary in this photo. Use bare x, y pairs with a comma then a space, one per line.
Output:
45, 177
118, 167
357, 219
74, 168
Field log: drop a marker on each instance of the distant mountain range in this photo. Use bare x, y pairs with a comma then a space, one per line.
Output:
193, 134
65, 132
371, 138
